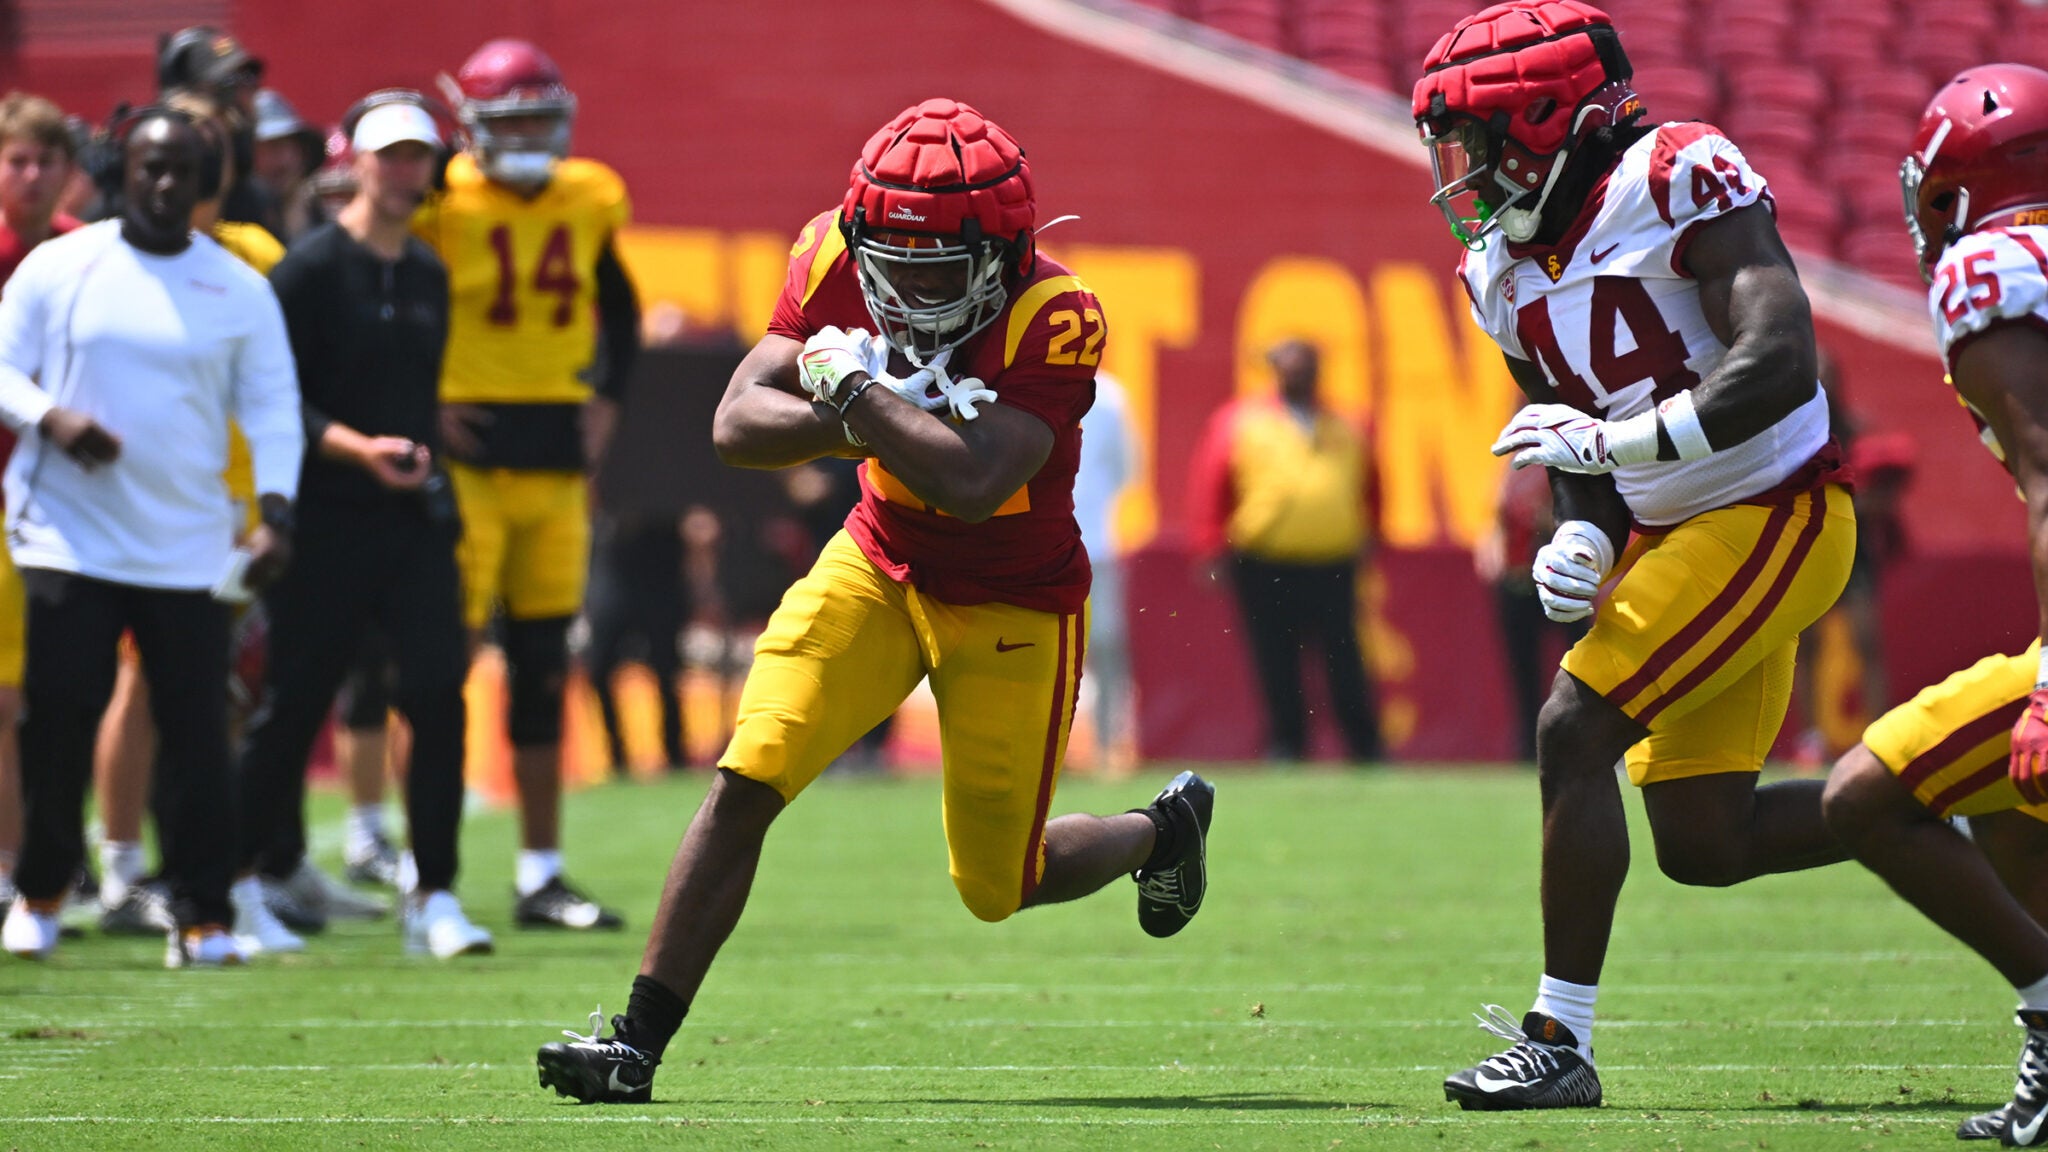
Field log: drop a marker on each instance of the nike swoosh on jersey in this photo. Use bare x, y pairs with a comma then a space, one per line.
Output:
1597, 257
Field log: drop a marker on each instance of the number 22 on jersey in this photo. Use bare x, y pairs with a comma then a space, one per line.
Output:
554, 274
1659, 354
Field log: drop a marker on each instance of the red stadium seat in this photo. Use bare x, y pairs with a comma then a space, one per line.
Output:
1784, 88
1884, 253
1876, 132
1259, 22
1756, 128
1679, 93
1940, 53
1885, 93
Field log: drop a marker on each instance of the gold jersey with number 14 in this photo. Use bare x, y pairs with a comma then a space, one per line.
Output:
522, 280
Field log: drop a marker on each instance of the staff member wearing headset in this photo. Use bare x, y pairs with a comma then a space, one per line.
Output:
125, 348
367, 308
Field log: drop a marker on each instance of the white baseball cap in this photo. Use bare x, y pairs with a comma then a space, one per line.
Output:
389, 124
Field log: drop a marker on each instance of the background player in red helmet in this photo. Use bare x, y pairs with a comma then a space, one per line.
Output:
1976, 744
528, 234
1635, 280
962, 564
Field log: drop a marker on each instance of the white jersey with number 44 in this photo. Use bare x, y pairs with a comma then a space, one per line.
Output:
1999, 275
1614, 321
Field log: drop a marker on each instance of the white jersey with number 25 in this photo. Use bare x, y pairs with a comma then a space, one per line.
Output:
1999, 275
1614, 321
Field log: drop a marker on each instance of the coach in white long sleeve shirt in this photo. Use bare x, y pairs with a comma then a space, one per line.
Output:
125, 348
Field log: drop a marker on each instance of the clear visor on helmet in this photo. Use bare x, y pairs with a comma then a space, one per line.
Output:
928, 293
1463, 157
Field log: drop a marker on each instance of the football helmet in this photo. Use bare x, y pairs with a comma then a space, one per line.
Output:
939, 215
1505, 99
1981, 152
505, 80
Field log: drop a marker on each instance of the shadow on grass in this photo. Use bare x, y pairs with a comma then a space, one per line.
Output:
1208, 1101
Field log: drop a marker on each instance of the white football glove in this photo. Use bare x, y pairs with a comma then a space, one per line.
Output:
829, 357
1562, 437
1570, 569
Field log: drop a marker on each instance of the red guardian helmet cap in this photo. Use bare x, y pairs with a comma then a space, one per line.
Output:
1504, 100
939, 215
512, 79
1981, 153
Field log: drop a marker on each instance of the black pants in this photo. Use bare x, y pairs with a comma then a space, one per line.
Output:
1522, 629
635, 609
360, 568
1286, 606
74, 635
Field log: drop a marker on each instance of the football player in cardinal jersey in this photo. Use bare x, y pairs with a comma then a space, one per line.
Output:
962, 564
528, 234
1976, 744
1633, 275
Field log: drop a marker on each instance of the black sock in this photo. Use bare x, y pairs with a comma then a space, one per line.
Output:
653, 1013
1162, 838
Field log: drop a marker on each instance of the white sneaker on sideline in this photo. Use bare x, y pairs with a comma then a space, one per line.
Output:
28, 934
311, 886
436, 924
257, 928
207, 946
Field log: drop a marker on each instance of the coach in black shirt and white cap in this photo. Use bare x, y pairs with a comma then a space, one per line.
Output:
125, 348
367, 308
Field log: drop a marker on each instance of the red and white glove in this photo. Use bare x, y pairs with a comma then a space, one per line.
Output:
1562, 437
2029, 766
1570, 569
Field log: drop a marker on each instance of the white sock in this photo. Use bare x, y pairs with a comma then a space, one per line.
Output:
246, 893
2035, 995
121, 866
365, 828
537, 866
1570, 1005
408, 877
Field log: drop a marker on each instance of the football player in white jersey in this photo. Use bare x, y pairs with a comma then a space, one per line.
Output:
1634, 278
1976, 744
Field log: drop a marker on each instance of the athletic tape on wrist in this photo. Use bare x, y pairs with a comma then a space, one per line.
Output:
2041, 672
1634, 440
1682, 423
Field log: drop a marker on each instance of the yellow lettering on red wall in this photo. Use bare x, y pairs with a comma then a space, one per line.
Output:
1444, 393
1313, 299
1151, 298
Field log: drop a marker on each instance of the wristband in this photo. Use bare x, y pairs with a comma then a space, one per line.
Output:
1634, 440
2041, 673
844, 403
1682, 423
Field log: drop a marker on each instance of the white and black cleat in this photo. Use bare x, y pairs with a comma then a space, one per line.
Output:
598, 1069
2023, 1123
1543, 1068
1171, 894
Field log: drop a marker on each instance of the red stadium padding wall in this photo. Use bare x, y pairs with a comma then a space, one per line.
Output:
1210, 225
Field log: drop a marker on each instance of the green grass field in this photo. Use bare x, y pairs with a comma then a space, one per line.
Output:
1352, 923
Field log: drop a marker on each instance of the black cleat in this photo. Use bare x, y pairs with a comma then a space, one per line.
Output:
1542, 1070
557, 905
597, 1070
1169, 896
2024, 1122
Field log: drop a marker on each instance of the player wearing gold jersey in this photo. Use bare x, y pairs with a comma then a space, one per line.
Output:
527, 232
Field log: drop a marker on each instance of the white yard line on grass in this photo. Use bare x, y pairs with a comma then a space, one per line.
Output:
1690, 1120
